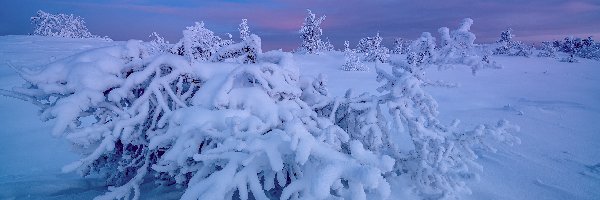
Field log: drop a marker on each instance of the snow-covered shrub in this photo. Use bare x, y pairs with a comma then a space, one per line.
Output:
507, 46
373, 50
584, 48
311, 34
351, 61
457, 47
248, 133
504, 44
60, 25
439, 158
199, 43
158, 44
400, 46
247, 51
244, 30
422, 50
521, 49
443, 157
326, 46
547, 50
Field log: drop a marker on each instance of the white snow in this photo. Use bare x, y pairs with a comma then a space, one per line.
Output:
556, 105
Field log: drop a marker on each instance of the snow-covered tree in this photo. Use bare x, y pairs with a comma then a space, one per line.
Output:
504, 43
199, 43
547, 50
326, 46
351, 61
247, 51
244, 30
507, 46
401, 46
60, 25
422, 50
311, 34
249, 133
373, 50
158, 44
584, 48
443, 157
256, 131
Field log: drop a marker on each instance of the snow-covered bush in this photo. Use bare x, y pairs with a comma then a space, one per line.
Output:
311, 34
247, 51
507, 46
255, 131
504, 43
60, 25
547, 50
456, 47
401, 46
439, 159
584, 48
373, 50
443, 157
351, 61
248, 133
199, 43
422, 50
326, 46
158, 44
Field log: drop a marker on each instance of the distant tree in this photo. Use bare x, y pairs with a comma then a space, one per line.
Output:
60, 25
351, 61
326, 45
373, 50
504, 43
584, 48
244, 30
422, 50
547, 50
311, 33
400, 46
507, 46
246, 51
158, 44
198, 43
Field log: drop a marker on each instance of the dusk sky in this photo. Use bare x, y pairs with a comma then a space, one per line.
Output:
278, 22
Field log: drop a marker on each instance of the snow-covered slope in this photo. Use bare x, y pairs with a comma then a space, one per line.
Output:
557, 106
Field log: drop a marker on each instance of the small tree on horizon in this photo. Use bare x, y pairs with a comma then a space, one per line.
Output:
373, 50
244, 30
311, 33
351, 61
60, 25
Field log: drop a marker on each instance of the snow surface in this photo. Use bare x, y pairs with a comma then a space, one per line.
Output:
556, 104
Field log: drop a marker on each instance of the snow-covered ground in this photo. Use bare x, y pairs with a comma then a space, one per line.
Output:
557, 106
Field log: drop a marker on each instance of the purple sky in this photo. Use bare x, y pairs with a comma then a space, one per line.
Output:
277, 22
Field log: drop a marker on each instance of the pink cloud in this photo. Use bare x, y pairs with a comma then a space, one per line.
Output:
580, 7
